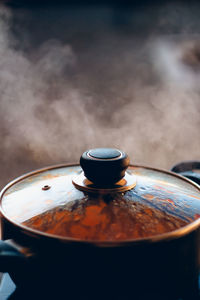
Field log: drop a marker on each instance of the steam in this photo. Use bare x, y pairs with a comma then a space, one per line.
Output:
119, 90
181, 62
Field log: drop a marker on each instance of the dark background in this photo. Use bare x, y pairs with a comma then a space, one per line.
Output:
121, 74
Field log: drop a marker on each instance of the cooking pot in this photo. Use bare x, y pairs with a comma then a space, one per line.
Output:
103, 229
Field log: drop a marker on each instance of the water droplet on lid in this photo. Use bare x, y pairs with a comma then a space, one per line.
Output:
143, 188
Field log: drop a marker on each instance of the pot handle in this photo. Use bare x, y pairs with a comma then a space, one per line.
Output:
187, 169
10, 257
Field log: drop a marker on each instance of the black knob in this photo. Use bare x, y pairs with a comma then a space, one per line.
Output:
104, 166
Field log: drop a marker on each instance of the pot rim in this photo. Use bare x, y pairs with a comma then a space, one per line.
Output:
151, 239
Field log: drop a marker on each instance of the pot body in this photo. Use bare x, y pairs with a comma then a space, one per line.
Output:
166, 265
85, 271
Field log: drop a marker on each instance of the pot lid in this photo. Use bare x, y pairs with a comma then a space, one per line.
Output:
107, 200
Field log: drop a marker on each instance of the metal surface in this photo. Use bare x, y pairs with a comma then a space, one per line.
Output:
162, 192
125, 184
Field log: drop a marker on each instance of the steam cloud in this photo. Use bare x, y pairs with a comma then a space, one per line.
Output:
108, 86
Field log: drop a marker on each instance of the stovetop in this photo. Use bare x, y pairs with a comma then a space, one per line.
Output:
9, 291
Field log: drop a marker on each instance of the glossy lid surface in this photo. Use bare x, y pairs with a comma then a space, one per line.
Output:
48, 202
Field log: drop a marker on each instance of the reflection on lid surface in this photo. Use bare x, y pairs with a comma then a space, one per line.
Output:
158, 204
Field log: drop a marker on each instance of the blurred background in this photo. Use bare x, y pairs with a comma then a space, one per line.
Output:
81, 74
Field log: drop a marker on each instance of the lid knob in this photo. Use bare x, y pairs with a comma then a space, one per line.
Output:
104, 166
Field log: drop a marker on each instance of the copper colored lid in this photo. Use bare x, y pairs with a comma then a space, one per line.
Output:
62, 202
